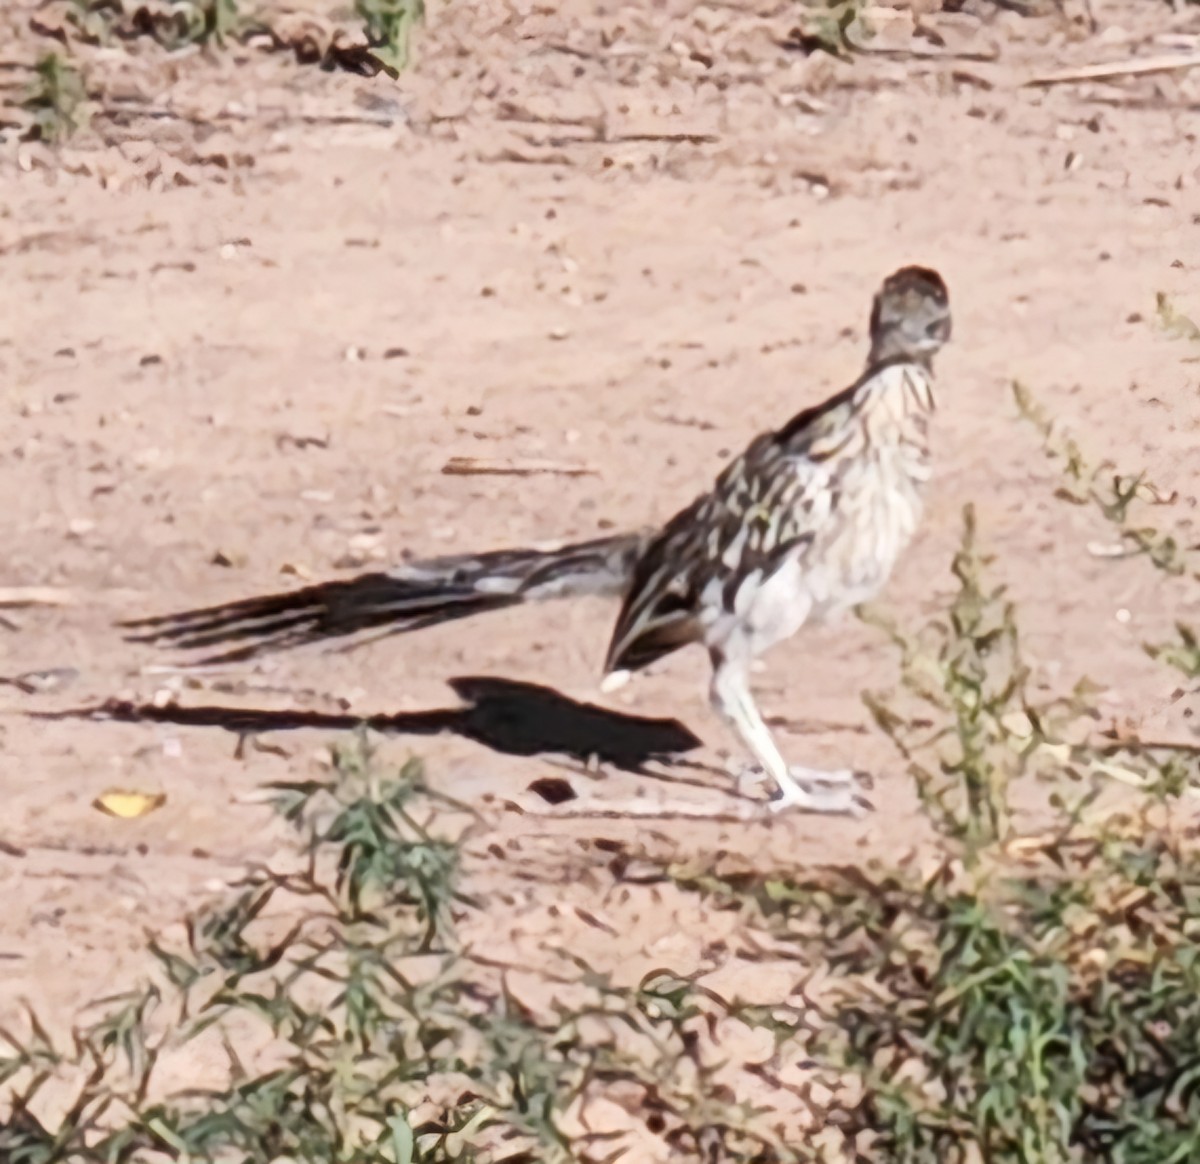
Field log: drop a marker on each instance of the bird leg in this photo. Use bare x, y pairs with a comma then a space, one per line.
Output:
804, 788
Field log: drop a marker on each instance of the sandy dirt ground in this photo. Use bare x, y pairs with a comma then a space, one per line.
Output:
247, 319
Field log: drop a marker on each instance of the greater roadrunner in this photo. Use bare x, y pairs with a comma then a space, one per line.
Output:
806, 523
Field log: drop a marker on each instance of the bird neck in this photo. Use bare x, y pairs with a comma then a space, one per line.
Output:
900, 391
890, 348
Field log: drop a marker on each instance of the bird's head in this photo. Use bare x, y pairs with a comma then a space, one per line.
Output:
910, 318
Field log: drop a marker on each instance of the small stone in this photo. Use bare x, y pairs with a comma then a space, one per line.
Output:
363, 542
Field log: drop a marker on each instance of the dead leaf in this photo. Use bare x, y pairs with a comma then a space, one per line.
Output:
128, 804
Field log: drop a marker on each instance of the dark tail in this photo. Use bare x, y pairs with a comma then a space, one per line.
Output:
407, 598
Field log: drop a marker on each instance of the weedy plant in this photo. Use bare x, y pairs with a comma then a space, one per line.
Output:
1174, 322
968, 671
178, 24
1024, 988
388, 1039
389, 27
1121, 499
56, 100
174, 24
836, 27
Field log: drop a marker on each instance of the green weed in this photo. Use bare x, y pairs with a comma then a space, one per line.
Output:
174, 24
56, 100
389, 27
391, 1041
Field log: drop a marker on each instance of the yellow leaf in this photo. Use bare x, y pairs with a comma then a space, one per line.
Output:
127, 805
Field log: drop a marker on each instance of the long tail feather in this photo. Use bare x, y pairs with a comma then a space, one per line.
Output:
408, 598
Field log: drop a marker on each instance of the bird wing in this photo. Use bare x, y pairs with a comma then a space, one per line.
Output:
766, 506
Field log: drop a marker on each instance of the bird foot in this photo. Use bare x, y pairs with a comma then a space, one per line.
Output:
828, 799
837, 792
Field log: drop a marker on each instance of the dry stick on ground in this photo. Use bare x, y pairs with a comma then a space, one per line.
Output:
1129, 68
509, 467
15, 596
621, 138
118, 110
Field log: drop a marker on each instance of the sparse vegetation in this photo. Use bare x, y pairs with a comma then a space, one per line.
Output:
389, 25
175, 24
172, 23
56, 103
1120, 498
392, 1041
1173, 321
56, 100
836, 27
1038, 1005
968, 670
